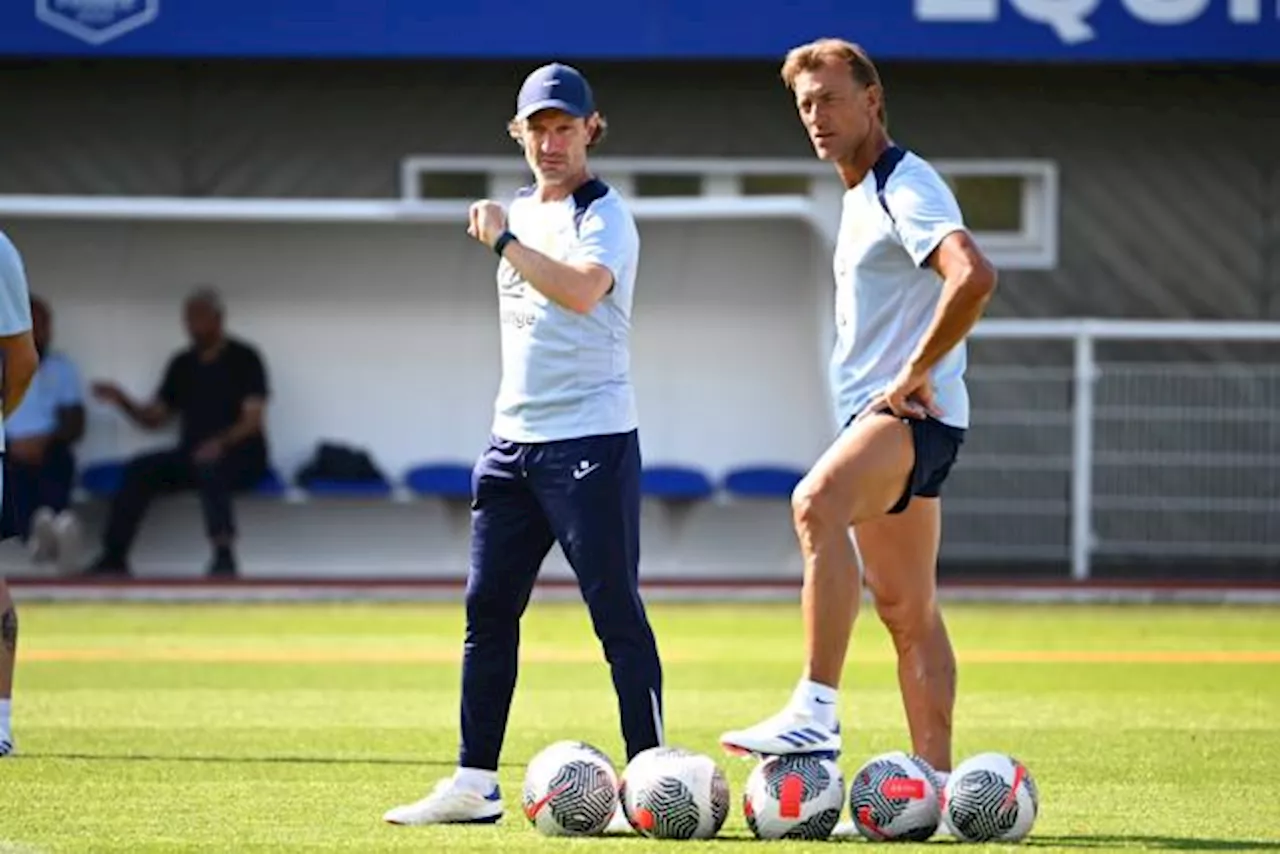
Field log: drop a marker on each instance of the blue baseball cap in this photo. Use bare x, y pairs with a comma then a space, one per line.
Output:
555, 87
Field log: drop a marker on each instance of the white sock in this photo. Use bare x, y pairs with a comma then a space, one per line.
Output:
476, 780
6, 707
818, 700
944, 826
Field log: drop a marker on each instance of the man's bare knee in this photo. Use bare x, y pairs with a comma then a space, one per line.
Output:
911, 620
8, 621
815, 509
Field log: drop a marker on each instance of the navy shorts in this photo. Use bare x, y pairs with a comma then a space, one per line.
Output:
936, 445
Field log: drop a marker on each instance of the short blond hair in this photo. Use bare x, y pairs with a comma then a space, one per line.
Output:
815, 54
515, 129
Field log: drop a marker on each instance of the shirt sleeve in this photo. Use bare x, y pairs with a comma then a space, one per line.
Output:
15, 299
254, 377
170, 391
608, 236
924, 211
68, 391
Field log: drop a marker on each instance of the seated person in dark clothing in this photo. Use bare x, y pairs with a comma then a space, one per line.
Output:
217, 389
40, 465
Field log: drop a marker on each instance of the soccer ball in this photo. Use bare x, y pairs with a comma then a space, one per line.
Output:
991, 797
570, 789
895, 797
794, 797
673, 793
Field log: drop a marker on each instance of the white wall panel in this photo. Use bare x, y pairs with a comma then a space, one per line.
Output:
386, 336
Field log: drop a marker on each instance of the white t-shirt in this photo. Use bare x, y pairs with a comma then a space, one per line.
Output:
567, 375
886, 293
15, 299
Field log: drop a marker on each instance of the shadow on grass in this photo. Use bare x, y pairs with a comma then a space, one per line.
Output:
1153, 843
249, 760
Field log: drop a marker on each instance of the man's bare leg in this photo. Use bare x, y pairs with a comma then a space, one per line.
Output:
900, 559
8, 654
861, 476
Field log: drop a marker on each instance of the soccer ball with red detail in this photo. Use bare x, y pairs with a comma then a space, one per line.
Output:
895, 797
794, 797
673, 793
570, 789
991, 797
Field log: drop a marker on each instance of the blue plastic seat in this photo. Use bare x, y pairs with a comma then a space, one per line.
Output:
440, 480
103, 479
322, 488
678, 483
763, 481
271, 485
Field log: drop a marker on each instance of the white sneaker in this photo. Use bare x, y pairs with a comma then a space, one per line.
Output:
944, 825
618, 825
845, 830
449, 804
791, 731
848, 830
67, 535
7, 747
42, 542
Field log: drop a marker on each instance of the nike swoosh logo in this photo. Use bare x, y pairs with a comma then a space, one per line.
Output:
579, 474
824, 702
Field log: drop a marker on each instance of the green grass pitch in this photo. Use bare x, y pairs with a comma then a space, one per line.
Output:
291, 728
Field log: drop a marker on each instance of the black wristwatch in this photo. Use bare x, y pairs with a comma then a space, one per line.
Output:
502, 241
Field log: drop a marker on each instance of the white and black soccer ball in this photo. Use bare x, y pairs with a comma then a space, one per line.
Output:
794, 797
570, 789
991, 797
895, 797
673, 793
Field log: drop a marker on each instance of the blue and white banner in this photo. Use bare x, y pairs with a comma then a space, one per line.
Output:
1051, 30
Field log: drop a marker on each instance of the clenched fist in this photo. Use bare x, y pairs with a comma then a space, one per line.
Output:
487, 221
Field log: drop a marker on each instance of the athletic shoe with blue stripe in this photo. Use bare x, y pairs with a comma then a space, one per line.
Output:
6, 746
791, 731
449, 803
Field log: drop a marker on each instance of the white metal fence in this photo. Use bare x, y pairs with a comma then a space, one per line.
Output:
1120, 440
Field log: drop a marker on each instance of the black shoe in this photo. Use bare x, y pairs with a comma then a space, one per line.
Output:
107, 566
223, 564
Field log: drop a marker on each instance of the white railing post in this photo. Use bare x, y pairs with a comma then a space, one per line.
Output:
1082, 455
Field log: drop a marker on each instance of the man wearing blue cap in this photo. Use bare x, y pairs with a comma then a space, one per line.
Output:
563, 461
